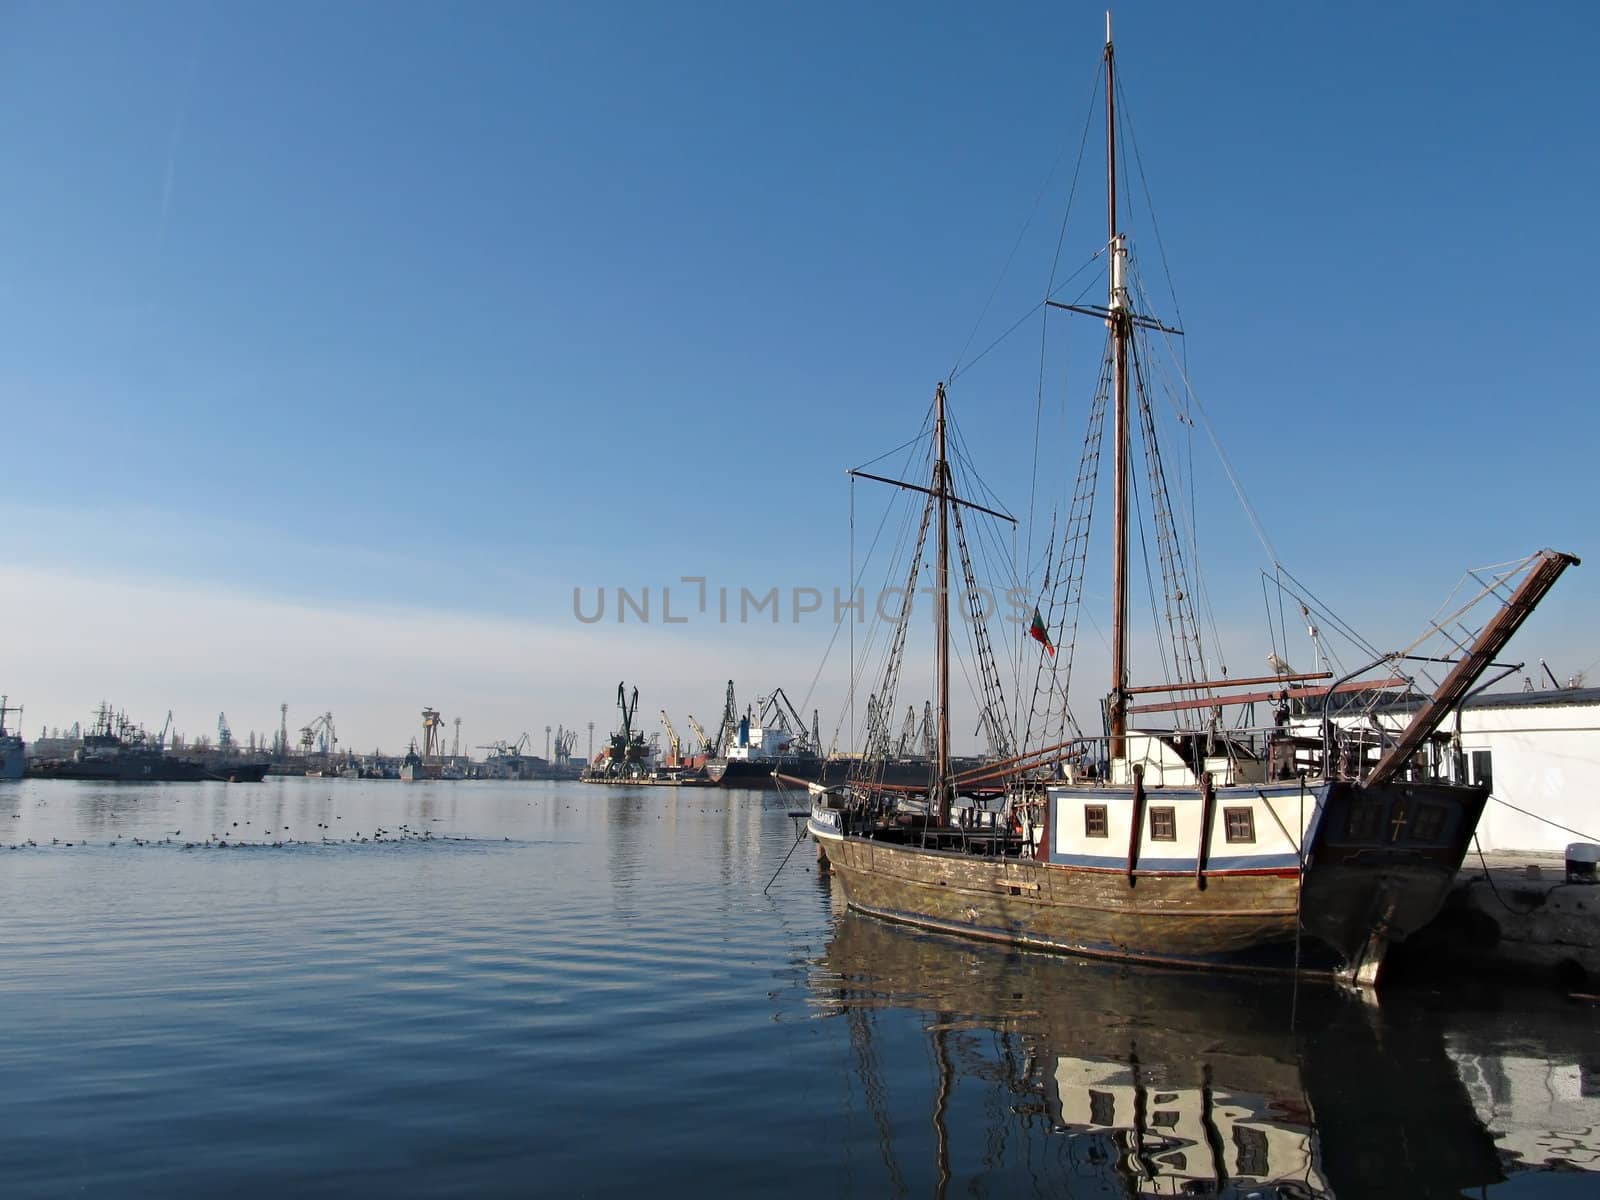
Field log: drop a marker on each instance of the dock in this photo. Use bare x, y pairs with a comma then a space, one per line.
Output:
1517, 913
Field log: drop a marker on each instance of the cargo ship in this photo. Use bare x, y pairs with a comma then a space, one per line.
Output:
755, 751
770, 747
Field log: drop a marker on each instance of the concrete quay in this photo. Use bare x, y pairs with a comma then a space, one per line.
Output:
1515, 913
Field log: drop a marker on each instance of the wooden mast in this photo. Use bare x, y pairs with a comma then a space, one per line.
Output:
942, 495
1119, 321
941, 491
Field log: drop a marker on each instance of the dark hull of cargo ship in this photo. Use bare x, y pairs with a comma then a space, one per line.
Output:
757, 772
236, 772
761, 773
151, 769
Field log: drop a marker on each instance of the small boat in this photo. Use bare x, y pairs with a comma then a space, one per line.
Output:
1206, 843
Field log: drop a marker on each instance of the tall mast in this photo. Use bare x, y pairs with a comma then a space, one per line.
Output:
941, 492
1120, 324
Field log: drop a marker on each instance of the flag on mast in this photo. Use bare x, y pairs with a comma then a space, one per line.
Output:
1039, 633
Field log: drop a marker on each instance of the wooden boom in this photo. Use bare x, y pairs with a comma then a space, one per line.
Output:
1459, 682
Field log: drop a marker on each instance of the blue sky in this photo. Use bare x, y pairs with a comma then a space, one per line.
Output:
413, 318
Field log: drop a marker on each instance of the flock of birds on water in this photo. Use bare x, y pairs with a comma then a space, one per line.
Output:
239, 837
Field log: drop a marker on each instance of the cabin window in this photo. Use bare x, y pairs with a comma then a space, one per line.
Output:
1240, 824
1364, 821
1483, 769
1428, 823
1094, 820
1163, 824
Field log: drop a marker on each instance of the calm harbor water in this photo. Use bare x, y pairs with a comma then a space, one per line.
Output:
490, 989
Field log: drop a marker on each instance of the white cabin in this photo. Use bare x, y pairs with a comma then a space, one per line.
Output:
1164, 765
756, 743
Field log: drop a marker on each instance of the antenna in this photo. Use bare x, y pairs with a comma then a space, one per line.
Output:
1316, 637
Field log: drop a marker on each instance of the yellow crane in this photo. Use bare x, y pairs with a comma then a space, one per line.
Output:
672, 739
705, 742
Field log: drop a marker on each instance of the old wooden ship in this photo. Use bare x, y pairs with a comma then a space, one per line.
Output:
1312, 842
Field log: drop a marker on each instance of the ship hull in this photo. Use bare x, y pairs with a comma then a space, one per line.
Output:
13, 758
138, 770
757, 773
237, 772
1361, 884
148, 769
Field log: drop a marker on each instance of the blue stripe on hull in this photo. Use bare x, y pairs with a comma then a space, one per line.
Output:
1163, 795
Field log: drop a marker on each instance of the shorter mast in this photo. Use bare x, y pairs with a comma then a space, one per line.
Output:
941, 496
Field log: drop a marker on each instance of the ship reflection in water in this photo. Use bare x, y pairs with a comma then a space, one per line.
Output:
1112, 1081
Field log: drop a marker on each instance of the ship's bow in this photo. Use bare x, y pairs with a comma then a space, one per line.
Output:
1382, 862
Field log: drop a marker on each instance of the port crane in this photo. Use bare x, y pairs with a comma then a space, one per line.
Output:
224, 734
505, 749
628, 752
699, 732
432, 734
908, 733
778, 713
319, 734
627, 709
564, 740
675, 755
728, 730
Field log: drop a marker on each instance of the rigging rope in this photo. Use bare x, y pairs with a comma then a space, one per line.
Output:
956, 367
1187, 653
1062, 593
